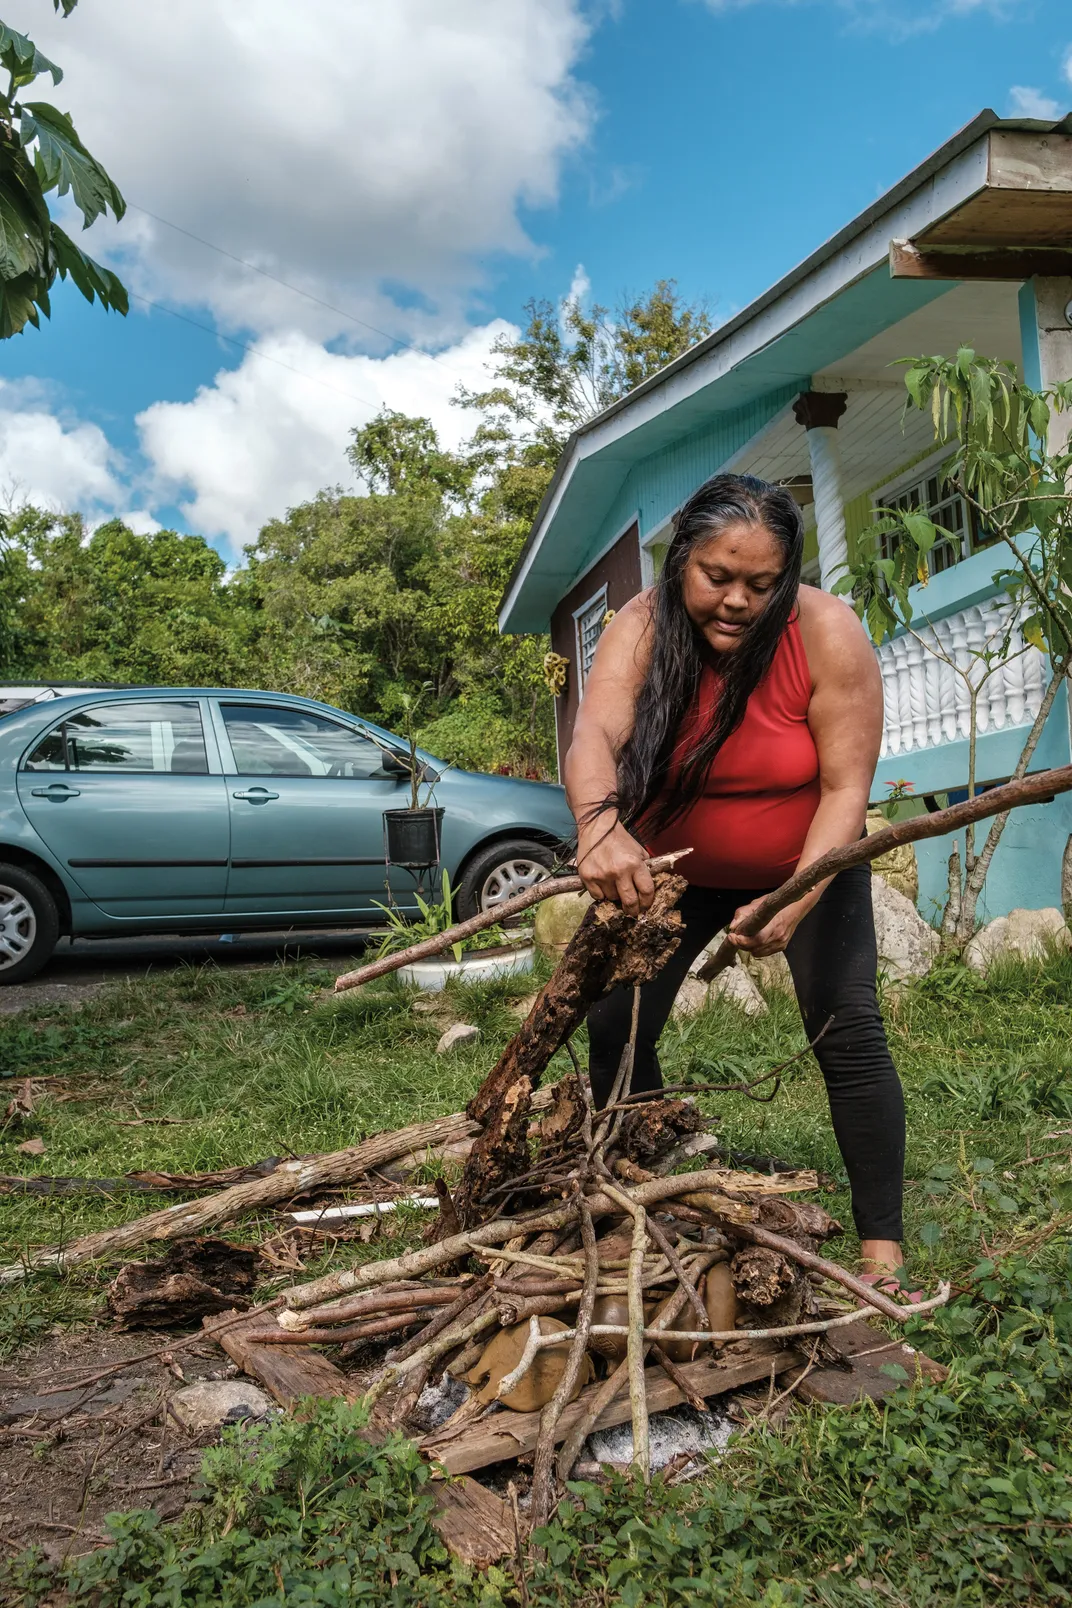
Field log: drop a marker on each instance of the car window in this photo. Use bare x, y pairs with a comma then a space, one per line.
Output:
130, 737
269, 741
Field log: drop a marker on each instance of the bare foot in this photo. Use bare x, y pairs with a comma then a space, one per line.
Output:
880, 1256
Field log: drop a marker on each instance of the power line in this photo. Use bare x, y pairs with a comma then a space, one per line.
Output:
244, 346
396, 340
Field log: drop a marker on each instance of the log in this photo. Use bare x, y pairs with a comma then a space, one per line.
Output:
189, 1218
1036, 789
193, 1279
608, 948
509, 1435
487, 918
474, 1524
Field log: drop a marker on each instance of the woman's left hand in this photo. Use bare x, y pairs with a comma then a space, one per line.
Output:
772, 938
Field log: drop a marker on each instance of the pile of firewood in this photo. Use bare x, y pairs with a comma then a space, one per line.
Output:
571, 1252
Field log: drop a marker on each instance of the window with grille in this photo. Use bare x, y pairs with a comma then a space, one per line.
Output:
590, 622
932, 495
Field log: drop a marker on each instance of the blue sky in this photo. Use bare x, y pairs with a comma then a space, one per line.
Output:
425, 168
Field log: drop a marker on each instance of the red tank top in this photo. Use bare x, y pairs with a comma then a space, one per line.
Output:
748, 828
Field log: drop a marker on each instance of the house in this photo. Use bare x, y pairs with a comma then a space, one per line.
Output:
973, 246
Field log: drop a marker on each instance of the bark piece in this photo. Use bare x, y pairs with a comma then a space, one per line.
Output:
653, 1126
762, 1277
474, 1524
287, 1372
193, 1279
607, 949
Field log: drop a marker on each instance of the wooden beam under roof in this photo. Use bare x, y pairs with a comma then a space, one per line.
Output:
911, 260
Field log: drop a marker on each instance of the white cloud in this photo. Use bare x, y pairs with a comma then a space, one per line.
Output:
53, 463
260, 439
350, 146
1024, 101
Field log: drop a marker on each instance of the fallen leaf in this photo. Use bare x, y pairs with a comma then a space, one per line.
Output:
31, 1147
23, 1103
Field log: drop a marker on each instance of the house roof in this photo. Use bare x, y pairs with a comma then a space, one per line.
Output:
836, 298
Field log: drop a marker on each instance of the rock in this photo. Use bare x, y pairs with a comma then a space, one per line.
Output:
769, 971
215, 1402
907, 946
1026, 934
899, 867
460, 1033
557, 919
691, 998
735, 985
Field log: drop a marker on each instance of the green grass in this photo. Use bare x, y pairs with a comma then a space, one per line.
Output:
954, 1495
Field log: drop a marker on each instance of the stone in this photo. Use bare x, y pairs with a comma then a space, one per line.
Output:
557, 919
461, 1033
907, 946
1023, 934
735, 985
218, 1401
770, 972
691, 998
899, 867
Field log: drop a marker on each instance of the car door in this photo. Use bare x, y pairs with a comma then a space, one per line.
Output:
121, 792
306, 795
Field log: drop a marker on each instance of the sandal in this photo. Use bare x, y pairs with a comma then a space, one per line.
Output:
889, 1284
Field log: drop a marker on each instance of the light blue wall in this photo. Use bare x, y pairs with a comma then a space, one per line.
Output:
1026, 870
658, 484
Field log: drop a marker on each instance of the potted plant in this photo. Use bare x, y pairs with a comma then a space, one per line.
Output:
494, 952
413, 834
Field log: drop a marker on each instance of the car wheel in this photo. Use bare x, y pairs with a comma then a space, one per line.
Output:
496, 873
29, 924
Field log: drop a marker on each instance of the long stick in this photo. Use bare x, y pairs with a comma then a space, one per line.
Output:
487, 918
544, 1464
1030, 790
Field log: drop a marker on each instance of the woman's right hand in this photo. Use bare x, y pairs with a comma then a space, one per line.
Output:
613, 865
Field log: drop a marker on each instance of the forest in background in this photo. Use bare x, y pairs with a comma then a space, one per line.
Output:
376, 602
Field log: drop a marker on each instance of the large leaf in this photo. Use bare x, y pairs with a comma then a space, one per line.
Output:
23, 241
63, 163
22, 58
91, 278
66, 6
19, 301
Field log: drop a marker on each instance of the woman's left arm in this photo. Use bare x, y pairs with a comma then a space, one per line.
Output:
845, 717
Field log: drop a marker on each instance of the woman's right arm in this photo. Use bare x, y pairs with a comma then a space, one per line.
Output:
610, 860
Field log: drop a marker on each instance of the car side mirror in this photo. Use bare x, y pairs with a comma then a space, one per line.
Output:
397, 765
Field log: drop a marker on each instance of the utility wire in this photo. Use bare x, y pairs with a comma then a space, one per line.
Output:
244, 346
396, 340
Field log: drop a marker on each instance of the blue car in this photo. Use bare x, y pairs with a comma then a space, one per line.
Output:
163, 809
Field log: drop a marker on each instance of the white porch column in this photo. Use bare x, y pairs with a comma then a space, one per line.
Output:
1046, 336
819, 412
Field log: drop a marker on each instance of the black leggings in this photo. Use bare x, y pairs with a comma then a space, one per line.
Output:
833, 959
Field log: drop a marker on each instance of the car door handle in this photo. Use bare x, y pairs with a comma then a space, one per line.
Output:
256, 795
56, 791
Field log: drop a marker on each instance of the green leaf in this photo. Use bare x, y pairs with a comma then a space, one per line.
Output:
63, 164
91, 278
23, 243
1031, 630
66, 6
23, 60
930, 1234
922, 531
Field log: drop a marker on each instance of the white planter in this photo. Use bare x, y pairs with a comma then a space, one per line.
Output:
434, 972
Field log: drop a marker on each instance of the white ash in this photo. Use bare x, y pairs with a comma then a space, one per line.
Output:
437, 1402
682, 1430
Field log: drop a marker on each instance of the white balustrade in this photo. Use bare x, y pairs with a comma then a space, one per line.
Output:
927, 702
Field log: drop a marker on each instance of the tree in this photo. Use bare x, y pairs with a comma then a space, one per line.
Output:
1001, 463
120, 607
40, 152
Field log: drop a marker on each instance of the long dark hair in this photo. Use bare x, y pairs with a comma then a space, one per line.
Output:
672, 684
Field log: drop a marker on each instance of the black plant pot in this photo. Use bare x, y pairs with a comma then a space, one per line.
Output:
413, 837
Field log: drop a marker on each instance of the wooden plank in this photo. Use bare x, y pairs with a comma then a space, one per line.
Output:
474, 1524
508, 1435
910, 261
287, 1372
868, 1350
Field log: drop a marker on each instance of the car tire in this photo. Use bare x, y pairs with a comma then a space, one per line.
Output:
29, 924
499, 871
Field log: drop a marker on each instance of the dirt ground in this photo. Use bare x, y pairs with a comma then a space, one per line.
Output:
70, 1456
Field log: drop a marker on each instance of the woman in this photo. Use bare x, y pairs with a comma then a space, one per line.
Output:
732, 711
